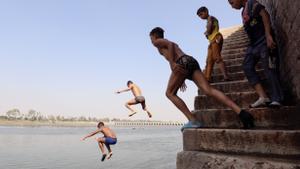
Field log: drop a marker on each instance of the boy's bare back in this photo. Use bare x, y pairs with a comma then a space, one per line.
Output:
136, 91
107, 132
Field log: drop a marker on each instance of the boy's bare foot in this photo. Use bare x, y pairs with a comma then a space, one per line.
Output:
109, 155
132, 114
103, 157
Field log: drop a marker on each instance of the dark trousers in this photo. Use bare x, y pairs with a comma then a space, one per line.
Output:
253, 55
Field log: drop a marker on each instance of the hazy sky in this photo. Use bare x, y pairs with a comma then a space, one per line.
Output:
68, 57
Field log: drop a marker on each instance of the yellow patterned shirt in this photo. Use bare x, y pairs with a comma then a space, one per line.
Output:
215, 31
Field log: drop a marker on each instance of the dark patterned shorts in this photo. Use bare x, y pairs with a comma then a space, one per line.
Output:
189, 64
140, 99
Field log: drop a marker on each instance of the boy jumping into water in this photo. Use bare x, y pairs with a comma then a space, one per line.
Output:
186, 67
215, 44
258, 27
138, 98
108, 139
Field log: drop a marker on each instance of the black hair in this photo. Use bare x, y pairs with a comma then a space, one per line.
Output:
158, 31
100, 124
129, 82
202, 9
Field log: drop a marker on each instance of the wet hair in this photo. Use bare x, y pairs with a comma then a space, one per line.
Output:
158, 31
129, 82
202, 9
100, 124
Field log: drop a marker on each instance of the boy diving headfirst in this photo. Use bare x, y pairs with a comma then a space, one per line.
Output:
108, 139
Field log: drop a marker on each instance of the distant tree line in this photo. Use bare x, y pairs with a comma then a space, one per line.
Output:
32, 115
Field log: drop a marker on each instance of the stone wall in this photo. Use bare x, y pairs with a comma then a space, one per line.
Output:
285, 16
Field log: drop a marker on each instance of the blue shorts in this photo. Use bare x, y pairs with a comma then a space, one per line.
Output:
109, 140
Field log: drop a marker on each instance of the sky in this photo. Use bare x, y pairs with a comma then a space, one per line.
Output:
68, 57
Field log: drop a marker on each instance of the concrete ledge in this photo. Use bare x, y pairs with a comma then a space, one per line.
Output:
203, 160
263, 142
265, 118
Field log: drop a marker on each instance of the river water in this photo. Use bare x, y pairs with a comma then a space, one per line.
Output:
61, 148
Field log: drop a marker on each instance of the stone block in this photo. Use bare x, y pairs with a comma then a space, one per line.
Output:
287, 117
257, 142
205, 160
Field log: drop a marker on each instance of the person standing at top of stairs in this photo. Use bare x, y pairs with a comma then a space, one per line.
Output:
257, 24
215, 44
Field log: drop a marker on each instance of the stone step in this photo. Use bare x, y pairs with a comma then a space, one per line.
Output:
206, 160
286, 117
233, 56
230, 62
236, 42
259, 142
234, 68
217, 78
237, 76
233, 51
239, 38
232, 29
243, 99
233, 33
236, 86
231, 86
237, 34
230, 46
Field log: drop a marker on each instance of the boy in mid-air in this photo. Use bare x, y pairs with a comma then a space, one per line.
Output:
138, 98
186, 67
108, 139
215, 44
258, 27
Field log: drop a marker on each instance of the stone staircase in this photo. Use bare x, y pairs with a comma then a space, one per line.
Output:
273, 144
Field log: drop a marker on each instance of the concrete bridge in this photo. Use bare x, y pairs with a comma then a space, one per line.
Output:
145, 123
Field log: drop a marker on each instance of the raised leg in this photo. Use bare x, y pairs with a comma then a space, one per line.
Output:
175, 82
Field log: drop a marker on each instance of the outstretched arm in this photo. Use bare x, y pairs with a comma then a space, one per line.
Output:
91, 134
124, 90
267, 25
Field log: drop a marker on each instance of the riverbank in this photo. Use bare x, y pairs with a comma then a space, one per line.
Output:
28, 123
